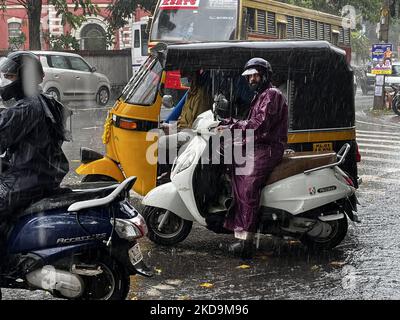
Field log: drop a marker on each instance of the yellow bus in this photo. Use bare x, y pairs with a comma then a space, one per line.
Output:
177, 21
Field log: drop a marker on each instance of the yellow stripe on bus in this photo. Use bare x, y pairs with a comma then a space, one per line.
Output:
304, 137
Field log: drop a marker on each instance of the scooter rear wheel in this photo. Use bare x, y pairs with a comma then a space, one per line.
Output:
112, 284
174, 230
336, 235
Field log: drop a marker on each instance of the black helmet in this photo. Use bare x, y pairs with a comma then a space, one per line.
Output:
258, 64
21, 72
261, 66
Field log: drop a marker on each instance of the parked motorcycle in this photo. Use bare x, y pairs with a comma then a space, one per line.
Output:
395, 99
306, 197
76, 244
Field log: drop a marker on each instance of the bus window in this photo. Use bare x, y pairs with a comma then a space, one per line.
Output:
145, 40
136, 39
281, 30
251, 18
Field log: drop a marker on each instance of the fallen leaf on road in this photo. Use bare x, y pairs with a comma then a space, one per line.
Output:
315, 268
207, 285
184, 298
158, 271
243, 266
134, 298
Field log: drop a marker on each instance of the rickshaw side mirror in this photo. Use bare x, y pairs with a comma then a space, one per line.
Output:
167, 101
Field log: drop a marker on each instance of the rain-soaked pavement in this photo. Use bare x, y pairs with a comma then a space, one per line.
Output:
364, 266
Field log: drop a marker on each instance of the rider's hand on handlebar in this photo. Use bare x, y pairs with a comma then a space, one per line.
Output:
221, 128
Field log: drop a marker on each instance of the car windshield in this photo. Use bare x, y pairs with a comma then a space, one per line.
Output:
207, 20
396, 70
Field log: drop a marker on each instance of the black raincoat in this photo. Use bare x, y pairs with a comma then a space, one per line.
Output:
32, 132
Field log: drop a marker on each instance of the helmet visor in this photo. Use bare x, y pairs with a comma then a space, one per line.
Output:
8, 71
249, 72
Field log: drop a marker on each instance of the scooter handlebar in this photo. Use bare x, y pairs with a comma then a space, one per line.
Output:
344, 150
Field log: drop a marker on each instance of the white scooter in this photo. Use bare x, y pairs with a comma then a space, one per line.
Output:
307, 196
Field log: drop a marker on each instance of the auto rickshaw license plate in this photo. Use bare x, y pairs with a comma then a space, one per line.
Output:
135, 254
325, 146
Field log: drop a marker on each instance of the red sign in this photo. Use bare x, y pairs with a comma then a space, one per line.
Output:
179, 4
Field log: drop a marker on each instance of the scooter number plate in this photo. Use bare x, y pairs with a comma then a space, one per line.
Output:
135, 254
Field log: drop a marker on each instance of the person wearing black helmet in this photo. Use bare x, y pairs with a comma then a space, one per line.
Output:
268, 121
32, 131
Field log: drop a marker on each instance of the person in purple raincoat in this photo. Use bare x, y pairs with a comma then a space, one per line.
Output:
268, 120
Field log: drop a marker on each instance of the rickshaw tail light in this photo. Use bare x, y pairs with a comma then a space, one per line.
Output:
358, 154
130, 125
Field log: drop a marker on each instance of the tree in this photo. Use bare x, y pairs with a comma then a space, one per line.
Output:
34, 10
120, 11
370, 10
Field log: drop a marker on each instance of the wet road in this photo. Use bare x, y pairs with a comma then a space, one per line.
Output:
364, 266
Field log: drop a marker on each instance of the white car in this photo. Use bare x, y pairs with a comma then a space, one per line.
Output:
394, 78
69, 77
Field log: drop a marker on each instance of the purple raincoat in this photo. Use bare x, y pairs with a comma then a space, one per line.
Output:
268, 117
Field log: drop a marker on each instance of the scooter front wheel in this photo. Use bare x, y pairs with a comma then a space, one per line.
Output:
165, 227
396, 105
326, 235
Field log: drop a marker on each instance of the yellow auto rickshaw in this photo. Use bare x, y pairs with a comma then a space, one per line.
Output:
314, 76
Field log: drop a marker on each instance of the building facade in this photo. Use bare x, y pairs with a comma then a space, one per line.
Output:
91, 35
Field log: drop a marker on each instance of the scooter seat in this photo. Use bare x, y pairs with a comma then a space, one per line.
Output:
64, 197
299, 162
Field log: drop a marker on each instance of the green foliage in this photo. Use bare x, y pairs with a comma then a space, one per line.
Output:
70, 17
15, 43
361, 45
62, 42
369, 10
120, 11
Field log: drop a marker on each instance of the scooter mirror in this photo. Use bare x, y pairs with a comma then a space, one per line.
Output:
221, 106
167, 101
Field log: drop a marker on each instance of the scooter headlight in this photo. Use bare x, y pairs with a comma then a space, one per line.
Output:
130, 229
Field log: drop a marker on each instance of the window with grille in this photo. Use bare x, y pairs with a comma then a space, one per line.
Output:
313, 30
14, 29
271, 23
320, 29
297, 28
347, 36
261, 23
327, 32
282, 31
306, 29
290, 27
341, 35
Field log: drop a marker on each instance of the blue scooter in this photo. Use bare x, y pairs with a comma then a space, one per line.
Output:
77, 244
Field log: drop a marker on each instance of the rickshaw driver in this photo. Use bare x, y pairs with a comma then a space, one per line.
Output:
198, 100
268, 118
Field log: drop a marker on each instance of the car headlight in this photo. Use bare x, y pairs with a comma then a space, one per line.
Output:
130, 229
183, 162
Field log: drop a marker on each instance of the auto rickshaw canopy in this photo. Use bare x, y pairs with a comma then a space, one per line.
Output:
321, 79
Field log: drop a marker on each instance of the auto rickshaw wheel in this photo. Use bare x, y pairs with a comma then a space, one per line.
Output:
97, 178
174, 229
328, 240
